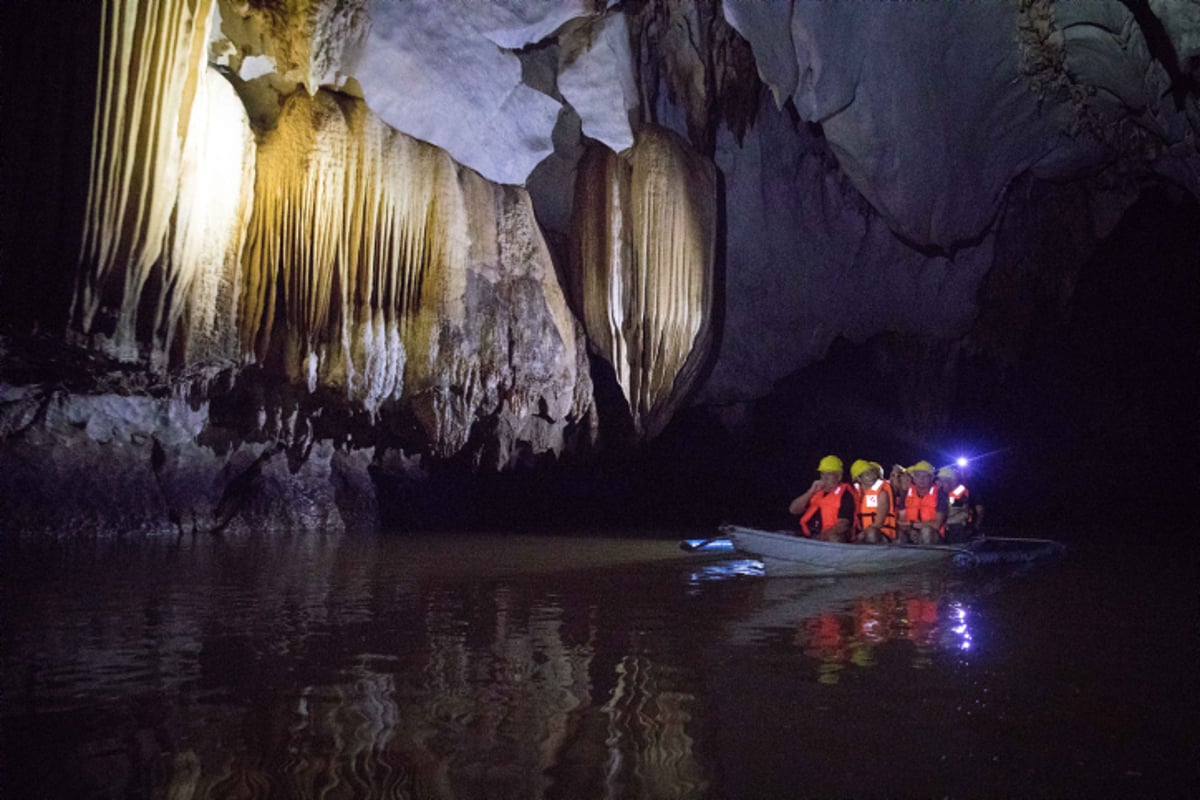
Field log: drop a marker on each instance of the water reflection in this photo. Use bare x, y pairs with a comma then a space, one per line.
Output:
841, 623
314, 667
649, 750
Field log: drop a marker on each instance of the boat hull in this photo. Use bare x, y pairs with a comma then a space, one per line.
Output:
784, 554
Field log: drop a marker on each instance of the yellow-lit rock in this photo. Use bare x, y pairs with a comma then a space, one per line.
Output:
401, 274
350, 221
641, 272
305, 42
151, 64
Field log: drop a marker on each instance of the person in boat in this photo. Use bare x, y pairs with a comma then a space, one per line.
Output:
960, 506
924, 508
900, 481
875, 520
827, 509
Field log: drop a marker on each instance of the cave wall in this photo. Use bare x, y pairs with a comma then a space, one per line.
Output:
253, 298
300, 257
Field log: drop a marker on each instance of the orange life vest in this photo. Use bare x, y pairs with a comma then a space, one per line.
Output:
958, 499
868, 505
827, 503
922, 509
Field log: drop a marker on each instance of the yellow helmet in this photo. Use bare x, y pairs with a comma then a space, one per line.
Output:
859, 467
921, 466
947, 472
830, 464
878, 467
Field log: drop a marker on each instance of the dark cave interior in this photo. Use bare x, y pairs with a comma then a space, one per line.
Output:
1094, 427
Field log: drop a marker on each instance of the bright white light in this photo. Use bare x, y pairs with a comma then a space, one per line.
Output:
961, 461
961, 630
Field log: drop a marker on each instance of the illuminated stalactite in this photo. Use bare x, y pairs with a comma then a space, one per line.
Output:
405, 244
151, 60
353, 225
216, 190
331, 250
377, 265
641, 271
298, 210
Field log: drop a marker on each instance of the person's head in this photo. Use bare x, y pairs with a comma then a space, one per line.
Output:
900, 478
865, 472
922, 475
947, 478
830, 471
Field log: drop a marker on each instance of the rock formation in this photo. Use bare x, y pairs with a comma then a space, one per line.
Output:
277, 263
642, 268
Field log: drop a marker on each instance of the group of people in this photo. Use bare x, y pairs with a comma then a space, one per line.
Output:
913, 505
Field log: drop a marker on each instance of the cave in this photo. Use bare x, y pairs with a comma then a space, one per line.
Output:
592, 276
392, 395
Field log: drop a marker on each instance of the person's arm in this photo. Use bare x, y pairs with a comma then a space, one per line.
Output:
798, 505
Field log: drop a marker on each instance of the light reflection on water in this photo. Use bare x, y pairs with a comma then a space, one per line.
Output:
461, 668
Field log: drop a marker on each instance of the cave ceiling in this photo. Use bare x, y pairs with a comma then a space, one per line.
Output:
867, 150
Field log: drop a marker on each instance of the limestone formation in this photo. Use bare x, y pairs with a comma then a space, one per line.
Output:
299, 43
202, 272
428, 70
808, 261
642, 268
595, 75
933, 109
351, 222
281, 292
386, 256
152, 64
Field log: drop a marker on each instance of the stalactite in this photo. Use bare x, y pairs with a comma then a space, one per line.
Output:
399, 241
216, 190
642, 268
298, 217
151, 58
353, 223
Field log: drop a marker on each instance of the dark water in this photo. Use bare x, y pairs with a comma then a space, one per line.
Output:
481, 667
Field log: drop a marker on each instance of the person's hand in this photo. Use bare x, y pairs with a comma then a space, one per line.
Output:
816, 485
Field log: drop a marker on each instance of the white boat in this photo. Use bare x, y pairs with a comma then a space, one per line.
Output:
785, 554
